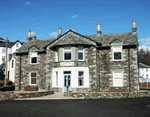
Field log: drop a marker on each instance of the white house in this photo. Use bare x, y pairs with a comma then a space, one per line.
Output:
144, 71
12, 47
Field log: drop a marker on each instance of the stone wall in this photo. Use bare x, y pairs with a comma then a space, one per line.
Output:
26, 67
10, 95
106, 66
107, 95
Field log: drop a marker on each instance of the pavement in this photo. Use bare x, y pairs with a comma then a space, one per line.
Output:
139, 107
49, 97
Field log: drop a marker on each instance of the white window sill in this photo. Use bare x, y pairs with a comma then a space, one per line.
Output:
34, 63
117, 60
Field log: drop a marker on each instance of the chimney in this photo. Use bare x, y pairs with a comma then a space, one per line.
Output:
29, 33
59, 31
134, 29
98, 29
29, 37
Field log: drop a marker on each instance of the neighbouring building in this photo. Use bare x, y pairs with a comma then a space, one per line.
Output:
144, 71
75, 62
11, 49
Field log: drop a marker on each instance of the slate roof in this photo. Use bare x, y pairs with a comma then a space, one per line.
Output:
1, 38
106, 39
37, 43
13, 43
141, 65
69, 38
3, 44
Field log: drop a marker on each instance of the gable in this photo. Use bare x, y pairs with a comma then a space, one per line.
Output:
72, 38
33, 48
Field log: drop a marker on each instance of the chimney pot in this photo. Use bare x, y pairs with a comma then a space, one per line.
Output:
59, 31
134, 29
29, 33
98, 29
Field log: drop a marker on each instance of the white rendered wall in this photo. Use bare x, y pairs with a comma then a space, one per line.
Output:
14, 47
143, 73
12, 70
74, 76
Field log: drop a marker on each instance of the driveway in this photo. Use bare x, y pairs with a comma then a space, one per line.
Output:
77, 108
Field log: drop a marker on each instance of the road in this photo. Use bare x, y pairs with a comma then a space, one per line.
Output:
77, 108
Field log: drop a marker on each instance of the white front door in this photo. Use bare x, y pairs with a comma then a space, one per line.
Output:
67, 81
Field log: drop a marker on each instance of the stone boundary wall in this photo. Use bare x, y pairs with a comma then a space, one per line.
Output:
107, 95
10, 95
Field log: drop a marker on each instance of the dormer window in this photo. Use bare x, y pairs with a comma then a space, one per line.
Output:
80, 53
67, 53
117, 53
33, 57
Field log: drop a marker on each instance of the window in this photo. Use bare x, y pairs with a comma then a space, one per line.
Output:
80, 53
67, 53
3, 58
33, 76
80, 78
12, 64
33, 57
17, 45
146, 69
146, 75
117, 53
56, 78
117, 79
4, 50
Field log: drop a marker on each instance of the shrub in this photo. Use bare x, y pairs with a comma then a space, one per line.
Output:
7, 88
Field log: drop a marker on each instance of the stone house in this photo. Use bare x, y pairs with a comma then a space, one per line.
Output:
75, 62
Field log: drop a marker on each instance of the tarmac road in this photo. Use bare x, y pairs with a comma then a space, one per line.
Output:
139, 107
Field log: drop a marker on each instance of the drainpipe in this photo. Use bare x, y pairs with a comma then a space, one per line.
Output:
20, 75
129, 69
138, 66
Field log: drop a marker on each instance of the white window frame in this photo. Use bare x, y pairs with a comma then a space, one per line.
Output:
31, 57
30, 78
83, 78
116, 77
65, 51
80, 51
114, 50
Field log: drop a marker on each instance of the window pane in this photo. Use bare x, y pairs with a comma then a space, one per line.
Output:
80, 56
81, 73
67, 72
34, 54
80, 82
33, 80
33, 74
67, 56
34, 60
118, 82
117, 55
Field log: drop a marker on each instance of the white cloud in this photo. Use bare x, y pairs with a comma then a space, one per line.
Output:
53, 34
27, 3
145, 42
32, 33
74, 16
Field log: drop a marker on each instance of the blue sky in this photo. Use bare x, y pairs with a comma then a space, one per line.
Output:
44, 17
